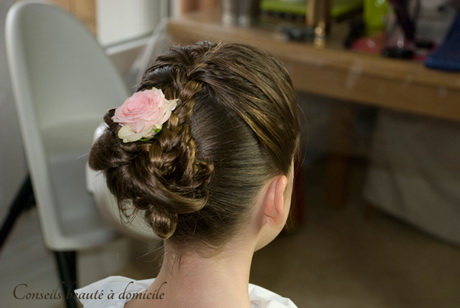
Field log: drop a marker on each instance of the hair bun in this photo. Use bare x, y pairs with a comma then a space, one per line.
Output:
234, 127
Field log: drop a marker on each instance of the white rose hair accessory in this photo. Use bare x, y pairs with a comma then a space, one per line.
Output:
142, 115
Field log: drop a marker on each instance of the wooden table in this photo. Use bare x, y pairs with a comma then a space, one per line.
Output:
335, 72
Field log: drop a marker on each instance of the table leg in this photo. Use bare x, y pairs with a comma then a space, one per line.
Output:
338, 169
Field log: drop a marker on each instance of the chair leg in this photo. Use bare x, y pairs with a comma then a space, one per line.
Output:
24, 199
67, 265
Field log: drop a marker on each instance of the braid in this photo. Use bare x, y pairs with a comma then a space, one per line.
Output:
177, 174
174, 159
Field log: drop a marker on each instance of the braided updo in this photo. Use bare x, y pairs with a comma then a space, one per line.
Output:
235, 126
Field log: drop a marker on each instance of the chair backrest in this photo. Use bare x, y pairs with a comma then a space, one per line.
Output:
63, 83
54, 56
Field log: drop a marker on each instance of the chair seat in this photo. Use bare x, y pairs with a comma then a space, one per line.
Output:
79, 219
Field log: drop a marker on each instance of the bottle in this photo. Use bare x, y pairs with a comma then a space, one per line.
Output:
318, 19
375, 14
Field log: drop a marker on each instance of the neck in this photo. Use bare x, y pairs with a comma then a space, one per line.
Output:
217, 280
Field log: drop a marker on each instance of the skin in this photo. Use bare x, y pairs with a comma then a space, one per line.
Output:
221, 279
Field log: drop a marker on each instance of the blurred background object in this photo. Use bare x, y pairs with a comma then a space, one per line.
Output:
401, 29
375, 14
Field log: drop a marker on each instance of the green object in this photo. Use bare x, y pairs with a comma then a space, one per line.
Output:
339, 7
375, 12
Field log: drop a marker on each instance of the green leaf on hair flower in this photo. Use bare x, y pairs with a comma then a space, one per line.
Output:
146, 139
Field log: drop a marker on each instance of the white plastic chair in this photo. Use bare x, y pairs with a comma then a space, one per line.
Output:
63, 84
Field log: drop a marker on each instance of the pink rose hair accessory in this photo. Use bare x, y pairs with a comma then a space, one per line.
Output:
142, 115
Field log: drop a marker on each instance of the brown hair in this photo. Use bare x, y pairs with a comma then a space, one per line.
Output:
235, 126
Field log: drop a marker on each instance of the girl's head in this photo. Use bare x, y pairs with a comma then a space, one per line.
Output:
235, 126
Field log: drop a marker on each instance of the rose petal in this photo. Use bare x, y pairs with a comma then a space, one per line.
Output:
128, 135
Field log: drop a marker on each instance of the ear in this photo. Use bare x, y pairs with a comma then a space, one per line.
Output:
274, 207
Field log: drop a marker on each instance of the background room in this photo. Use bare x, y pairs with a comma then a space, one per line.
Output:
376, 217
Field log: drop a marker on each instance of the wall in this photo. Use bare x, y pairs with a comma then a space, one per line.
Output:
119, 20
